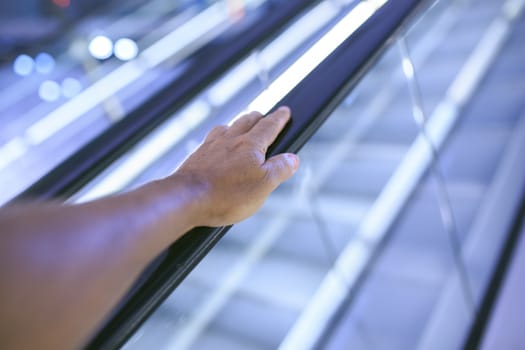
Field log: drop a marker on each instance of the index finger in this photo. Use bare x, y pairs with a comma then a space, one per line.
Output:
268, 128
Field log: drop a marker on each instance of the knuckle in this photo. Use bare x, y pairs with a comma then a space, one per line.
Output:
239, 143
256, 114
252, 116
219, 129
215, 132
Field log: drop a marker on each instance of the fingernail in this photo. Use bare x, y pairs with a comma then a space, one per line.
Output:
293, 160
284, 109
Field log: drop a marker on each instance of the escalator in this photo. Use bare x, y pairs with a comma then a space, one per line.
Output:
410, 130
108, 77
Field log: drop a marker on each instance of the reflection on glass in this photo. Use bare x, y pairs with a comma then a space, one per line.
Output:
426, 283
481, 137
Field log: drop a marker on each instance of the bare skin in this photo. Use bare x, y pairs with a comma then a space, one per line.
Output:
64, 267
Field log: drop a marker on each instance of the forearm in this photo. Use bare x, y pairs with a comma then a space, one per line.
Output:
63, 268
70, 273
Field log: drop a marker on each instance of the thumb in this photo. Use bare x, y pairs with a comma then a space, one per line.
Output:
281, 167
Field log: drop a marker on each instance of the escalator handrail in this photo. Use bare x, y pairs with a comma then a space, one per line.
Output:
207, 64
311, 106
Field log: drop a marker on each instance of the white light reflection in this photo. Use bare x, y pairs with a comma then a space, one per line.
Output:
101, 47
200, 25
408, 68
224, 90
125, 49
294, 36
23, 65
12, 150
312, 58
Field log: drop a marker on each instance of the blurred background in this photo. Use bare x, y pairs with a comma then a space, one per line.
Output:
401, 230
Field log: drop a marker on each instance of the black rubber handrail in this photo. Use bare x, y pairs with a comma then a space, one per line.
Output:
205, 66
312, 101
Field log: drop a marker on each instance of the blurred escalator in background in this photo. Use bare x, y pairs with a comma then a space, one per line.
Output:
58, 96
389, 234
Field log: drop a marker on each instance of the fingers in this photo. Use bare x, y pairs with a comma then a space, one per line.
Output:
281, 167
245, 123
267, 129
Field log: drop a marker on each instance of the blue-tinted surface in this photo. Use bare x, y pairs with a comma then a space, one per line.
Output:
58, 90
411, 298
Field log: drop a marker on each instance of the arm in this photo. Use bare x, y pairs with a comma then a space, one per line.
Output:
63, 267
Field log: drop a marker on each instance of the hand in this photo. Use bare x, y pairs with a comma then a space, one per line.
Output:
48, 251
231, 171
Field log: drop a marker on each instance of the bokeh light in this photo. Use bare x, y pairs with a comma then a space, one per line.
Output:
23, 65
49, 91
125, 49
71, 87
44, 63
101, 47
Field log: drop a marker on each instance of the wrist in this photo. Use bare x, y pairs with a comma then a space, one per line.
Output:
174, 203
186, 196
